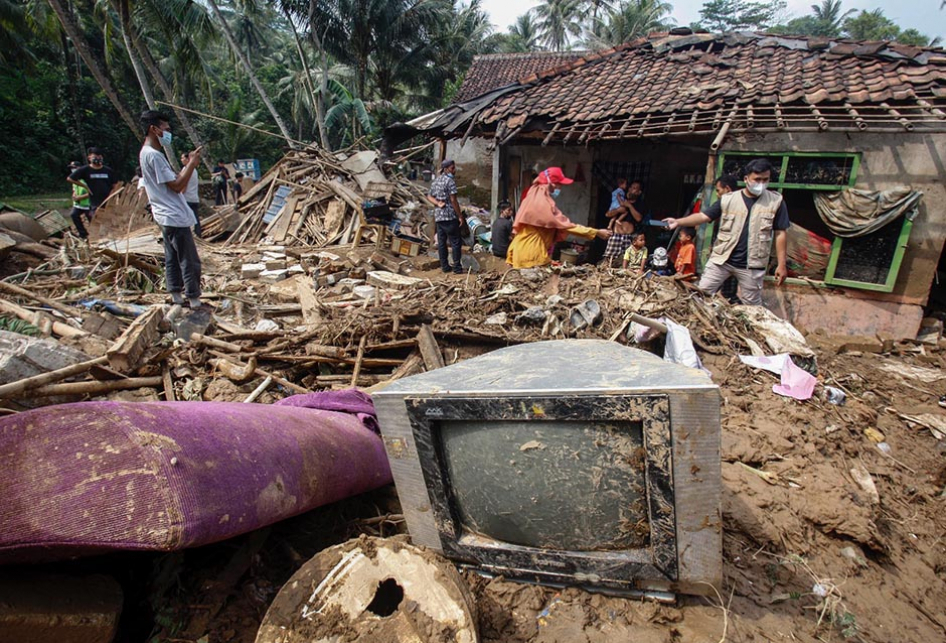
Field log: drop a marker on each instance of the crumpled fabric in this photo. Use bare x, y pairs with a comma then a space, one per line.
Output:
345, 401
855, 213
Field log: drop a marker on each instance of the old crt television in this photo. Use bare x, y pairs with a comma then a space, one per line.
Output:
572, 462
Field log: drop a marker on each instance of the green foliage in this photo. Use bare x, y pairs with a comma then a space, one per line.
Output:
628, 20
559, 22
740, 15
17, 325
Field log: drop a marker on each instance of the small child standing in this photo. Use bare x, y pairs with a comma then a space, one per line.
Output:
635, 257
81, 202
684, 254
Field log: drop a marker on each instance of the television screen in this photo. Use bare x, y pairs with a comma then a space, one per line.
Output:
550, 484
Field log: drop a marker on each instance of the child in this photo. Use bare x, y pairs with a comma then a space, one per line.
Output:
684, 254
659, 264
635, 257
81, 203
617, 201
236, 189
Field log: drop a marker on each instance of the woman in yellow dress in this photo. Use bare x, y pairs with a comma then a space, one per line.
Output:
540, 224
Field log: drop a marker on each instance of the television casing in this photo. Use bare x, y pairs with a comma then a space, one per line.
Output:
593, 386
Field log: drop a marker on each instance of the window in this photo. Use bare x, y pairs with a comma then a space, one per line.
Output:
870, 262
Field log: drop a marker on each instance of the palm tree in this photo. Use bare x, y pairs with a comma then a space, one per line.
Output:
629, 20
559, 21
82, 48
522, 37
828, 17
244, 61
381, 40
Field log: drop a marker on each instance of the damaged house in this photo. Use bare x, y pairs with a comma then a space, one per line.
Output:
856, 131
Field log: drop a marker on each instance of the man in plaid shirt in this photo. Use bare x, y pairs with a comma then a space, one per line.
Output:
448, 215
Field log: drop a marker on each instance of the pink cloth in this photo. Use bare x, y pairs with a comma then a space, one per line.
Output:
796, 383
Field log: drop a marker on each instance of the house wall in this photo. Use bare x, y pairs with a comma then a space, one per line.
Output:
474, 169
887, 160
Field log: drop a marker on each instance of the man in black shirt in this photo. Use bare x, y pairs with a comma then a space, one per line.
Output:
748, 221
501, 233
97, 178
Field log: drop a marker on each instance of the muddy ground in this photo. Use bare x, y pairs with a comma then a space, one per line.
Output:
808, 555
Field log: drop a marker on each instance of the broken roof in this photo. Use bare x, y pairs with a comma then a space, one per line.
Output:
685, 83
492, 71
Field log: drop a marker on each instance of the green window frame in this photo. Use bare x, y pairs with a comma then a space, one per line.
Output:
838, 242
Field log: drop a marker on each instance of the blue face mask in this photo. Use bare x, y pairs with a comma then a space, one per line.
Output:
555, 193
166, 138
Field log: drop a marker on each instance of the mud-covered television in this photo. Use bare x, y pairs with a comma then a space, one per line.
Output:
571, 462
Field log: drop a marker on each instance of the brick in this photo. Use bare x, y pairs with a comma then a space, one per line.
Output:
251, 270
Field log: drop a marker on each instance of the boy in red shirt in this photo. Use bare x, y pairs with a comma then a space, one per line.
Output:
683, 254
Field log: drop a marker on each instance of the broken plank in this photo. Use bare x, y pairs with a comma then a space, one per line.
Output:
311, 309
127, 350
429, 349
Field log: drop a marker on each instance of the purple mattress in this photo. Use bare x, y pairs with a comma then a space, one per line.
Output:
83, 478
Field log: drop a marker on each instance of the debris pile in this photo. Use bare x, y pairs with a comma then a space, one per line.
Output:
316, 198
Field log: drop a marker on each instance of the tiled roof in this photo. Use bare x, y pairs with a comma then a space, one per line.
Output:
678, 84
492, 71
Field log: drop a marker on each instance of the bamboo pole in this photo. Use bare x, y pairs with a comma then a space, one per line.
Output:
15, 388
96, 387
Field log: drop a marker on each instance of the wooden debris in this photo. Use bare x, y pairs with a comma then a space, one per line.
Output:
429, 348
128, 349
30, 384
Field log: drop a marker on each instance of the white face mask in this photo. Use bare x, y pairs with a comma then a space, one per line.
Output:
756, 188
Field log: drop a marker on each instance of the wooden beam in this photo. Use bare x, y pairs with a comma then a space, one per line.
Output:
124, 354
429, 349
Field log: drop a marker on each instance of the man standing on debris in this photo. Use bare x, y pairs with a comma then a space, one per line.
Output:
169, 208
448, 215
540, 224
80, 204
748, 220
96, 177
192, 194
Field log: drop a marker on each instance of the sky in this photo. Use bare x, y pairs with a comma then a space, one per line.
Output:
923, 15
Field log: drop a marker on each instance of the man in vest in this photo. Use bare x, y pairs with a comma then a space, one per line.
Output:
748, 220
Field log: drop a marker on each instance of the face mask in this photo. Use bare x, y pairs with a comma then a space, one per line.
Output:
757, 188
555, 193
165, 138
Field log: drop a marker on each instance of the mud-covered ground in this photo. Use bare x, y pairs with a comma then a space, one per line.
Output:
808, 555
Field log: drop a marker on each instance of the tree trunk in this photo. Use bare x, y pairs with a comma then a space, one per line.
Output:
82, 47
73, 94
228, 34
316, 98
168, 93
124, 14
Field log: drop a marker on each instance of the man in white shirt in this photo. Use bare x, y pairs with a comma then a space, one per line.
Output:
191, 194
169, 208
